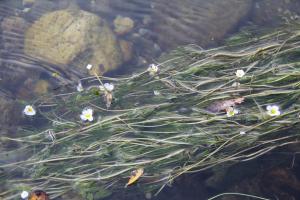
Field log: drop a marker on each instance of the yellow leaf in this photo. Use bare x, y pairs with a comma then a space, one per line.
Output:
135, 175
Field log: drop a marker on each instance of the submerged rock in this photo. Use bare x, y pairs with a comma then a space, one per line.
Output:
123, 25
74, 36
10, 112
126, 48
13, 29
277, 182
197, 21
272, 12
41, 87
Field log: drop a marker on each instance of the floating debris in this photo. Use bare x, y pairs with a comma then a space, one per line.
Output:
135, 175
38, 195
223, 105
108, 99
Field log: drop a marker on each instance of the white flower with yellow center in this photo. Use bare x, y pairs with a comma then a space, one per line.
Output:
230, 112
273, 110
152, 69
87, 115
29, 110
89, 66
109, 87
239, 73
24, 195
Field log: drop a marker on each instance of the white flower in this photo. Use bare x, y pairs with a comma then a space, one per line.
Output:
235, 84
230, 111
24, 195
108, 87
87, 114
152, 69
273, 110
242, 132
156, 92
240, 73
29, 110
79, 87
89, 66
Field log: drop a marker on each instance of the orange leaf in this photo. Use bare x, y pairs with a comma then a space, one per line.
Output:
38, 195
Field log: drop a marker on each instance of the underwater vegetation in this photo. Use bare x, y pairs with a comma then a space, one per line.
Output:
190, 111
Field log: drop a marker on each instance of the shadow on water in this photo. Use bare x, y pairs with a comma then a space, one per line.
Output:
140, 31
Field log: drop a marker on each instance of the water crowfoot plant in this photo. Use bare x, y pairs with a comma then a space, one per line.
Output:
184, 130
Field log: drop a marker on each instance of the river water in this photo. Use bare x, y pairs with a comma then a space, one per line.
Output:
45, 46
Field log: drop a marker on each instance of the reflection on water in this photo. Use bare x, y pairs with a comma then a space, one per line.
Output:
47, 44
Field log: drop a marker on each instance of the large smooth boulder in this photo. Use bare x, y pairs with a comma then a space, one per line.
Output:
74, 37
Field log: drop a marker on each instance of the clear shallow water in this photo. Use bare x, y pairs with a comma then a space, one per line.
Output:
158, 27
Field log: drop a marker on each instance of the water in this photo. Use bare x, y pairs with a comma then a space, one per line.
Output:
47, 44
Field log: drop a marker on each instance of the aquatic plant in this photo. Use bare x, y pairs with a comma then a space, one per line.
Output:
169, 134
